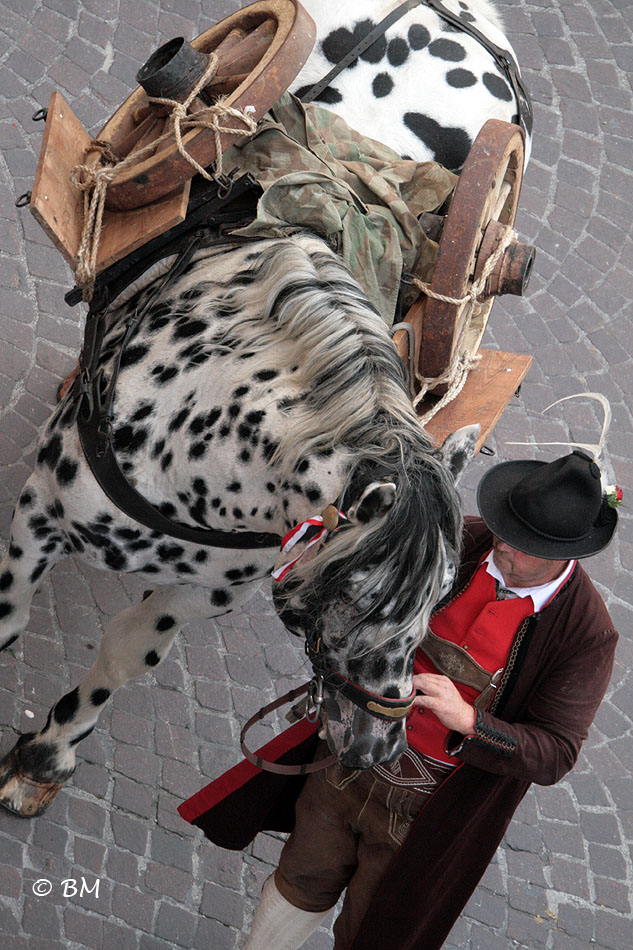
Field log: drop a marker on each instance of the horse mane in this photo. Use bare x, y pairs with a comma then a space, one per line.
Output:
319, 324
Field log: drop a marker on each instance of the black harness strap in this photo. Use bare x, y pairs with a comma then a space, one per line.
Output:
94, 424
368, 40
503, 58
113, 482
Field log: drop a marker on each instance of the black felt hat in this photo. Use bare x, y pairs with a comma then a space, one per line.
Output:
555, 510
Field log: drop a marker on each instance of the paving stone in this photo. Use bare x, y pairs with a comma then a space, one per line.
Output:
84, 929
133, 907
169, 881
211, 933
124, 867
170, 849
132, 797
599, 828
89, 855
176, 925
613, 931
41, 919
527, 930
137, 764
226, 908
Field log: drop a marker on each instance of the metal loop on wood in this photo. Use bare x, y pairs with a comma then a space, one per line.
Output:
24, 200
40, 115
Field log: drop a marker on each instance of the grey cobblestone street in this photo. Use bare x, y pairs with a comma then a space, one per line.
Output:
563, 878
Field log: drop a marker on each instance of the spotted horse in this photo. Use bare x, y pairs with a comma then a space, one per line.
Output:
260, 388
424, 87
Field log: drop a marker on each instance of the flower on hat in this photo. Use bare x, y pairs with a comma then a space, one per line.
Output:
614, 496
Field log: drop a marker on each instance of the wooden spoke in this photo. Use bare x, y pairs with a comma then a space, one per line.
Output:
245, 55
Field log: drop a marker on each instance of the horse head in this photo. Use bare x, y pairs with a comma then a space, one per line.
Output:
363, 594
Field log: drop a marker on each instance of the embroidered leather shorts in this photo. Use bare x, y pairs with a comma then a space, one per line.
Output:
349, 824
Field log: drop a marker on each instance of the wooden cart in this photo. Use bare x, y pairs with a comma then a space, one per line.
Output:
249, 59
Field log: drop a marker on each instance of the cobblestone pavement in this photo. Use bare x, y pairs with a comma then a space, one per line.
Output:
563, 878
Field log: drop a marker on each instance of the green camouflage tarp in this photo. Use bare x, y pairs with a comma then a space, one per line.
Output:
358, 194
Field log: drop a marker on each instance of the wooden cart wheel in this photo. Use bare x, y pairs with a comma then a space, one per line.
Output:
484, 204
260, 50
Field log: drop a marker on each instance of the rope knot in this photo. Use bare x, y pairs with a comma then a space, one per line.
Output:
93, 179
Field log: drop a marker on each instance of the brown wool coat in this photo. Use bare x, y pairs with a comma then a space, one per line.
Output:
559, 670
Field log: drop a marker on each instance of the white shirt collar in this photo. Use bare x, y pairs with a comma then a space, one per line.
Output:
540, 595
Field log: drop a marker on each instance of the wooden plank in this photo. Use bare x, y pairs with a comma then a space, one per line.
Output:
55, 202
57, 205
488, 390
125, 231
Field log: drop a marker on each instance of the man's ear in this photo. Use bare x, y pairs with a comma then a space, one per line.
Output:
375, 502
459, 448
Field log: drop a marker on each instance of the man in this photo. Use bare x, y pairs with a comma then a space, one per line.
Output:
510, 677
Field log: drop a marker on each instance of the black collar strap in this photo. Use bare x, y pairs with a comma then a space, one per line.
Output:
503, 58
105, 468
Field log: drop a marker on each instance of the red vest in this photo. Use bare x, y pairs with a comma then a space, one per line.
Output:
484, 626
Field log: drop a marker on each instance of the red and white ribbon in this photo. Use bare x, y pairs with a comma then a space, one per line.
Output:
294, 536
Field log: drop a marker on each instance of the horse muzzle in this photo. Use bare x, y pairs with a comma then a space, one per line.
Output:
358, 738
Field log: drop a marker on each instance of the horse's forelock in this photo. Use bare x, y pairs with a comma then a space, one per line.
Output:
392, 570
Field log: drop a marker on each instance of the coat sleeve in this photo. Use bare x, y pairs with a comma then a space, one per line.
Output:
544, 741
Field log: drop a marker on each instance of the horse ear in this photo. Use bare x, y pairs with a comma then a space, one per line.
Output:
375, 502
459, 448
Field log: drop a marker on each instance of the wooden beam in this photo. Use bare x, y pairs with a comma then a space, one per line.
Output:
488, 390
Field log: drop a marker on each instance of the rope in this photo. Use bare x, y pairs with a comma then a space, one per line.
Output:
461, 364
455, 375
478, 285
94, 181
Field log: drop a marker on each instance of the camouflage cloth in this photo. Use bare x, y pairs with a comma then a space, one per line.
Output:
358, 194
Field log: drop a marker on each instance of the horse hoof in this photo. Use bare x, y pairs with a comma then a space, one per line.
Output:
20, 793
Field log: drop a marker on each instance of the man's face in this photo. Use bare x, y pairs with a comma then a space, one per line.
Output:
524, 570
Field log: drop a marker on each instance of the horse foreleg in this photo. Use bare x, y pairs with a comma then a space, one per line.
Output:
35, 546
135, 641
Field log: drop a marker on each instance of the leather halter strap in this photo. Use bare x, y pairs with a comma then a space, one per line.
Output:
503, 58
380, 707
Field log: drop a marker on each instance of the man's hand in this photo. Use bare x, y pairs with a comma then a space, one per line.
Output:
440, 695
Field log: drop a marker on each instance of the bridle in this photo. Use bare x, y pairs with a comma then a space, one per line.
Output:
385, 708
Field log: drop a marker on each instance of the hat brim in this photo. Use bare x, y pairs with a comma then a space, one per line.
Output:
492, 500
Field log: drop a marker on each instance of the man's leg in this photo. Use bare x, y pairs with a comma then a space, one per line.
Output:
316, 863
278, 923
